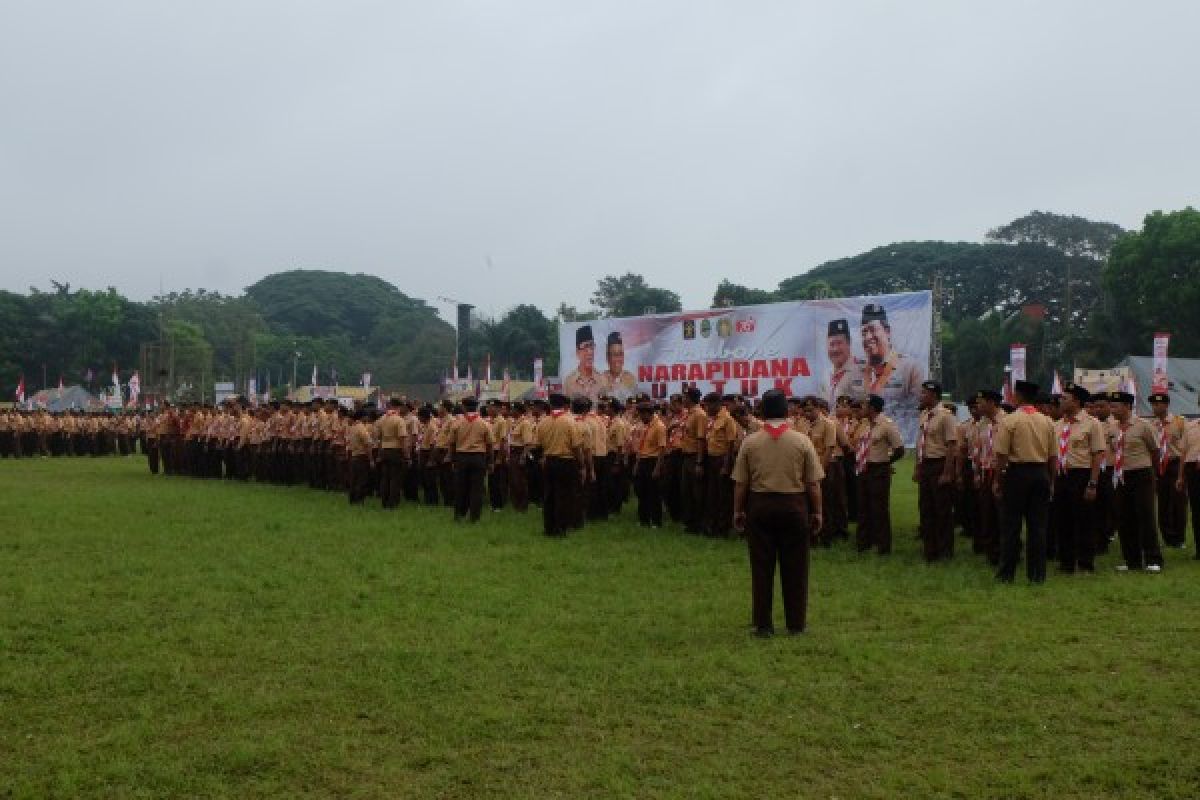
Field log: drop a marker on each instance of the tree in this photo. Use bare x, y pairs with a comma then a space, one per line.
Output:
629, 296
1075, 236
1153, 282
732, 294
516, 339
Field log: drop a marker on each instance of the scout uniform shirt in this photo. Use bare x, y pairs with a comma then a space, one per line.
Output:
652, 441
823, 432
358, 442
598, 434
883, 439
1026, 437
1134, 443
1191, 442
392, 430
618, 432
590, 386
472, 434
1169, 433
722, 433
558, 435
781, 464
1082, 435
938, 433
695, 427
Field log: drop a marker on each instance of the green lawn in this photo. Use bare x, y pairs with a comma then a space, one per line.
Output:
181, 638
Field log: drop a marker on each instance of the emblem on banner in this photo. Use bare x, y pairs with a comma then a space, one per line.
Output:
745, 325
689, 329
705, 328
724, 327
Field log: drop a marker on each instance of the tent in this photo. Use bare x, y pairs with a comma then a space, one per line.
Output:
1183, 375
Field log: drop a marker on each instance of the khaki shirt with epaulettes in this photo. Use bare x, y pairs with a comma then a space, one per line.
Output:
1138, 445
1176, 428
1085, 438
822, 432
559, 436
722, 433
940, 431
1025, 436
883, 439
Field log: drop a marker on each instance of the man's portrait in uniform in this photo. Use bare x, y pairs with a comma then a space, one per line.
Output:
620, 382
584, 381
893, 376
845, 377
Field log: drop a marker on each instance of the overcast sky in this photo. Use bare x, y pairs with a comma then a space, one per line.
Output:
506, 152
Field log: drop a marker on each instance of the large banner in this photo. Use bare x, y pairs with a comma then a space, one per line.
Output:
841, 346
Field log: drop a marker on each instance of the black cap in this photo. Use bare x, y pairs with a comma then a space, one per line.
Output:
1080, 393
989, 394
774, 404
692, 393
839, 327
875, 402
932, 386
712, 397
614, 338
583, 335
873, 312
558, 400
1121, 397
1159, 397
1026, 388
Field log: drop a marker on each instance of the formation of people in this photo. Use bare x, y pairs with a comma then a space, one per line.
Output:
24, 434
1051, 478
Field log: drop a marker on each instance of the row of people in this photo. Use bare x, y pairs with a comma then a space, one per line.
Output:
68, 433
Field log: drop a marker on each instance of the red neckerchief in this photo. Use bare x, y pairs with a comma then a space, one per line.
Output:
775, 431
556, 413
471, 417
1028, 409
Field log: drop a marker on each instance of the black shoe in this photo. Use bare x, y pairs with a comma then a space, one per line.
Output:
795, 631
764, 633
1003, 577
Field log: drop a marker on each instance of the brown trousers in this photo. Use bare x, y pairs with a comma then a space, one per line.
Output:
518, 479
935, 504
1172, 507
391, 476
833, 496
987, 531
777, 532
874, 509
561, 476
718, 489
1135, 519
360, 478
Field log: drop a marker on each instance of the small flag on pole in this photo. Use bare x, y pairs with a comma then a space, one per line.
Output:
314, 375
20, 395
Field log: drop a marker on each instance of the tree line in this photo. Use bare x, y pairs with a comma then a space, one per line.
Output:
1076, 291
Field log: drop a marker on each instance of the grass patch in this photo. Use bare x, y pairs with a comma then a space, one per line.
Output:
175, 637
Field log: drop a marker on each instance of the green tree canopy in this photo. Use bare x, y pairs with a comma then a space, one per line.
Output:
629, 295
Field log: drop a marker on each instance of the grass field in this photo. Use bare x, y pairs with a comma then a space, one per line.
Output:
179, 638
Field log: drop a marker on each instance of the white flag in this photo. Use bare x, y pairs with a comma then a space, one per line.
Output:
314, 375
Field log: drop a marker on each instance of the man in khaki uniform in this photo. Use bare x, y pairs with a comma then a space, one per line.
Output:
520, 447
471, 448
498, 477
1134, 448
648, 440
1081, 446
1024, 446
823, 432
1189, 477
1169, 430
561, 443
893, 376
846, 373
362, 460
988, 533
446, 422
584, 380
879, 446
718, 467
934, 472
394, 452
777, 502
691, 476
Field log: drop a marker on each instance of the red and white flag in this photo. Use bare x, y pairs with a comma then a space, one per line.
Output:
1159, 382
20, 395
487, 371
135, 389
505, 387
1056, 386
